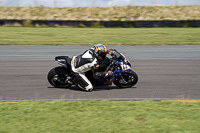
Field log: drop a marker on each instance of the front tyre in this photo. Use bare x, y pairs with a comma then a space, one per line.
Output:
57, 77
128, 80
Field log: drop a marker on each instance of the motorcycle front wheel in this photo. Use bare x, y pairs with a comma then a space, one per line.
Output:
57, 77
128, 80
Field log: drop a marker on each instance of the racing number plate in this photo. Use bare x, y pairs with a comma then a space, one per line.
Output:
125, 67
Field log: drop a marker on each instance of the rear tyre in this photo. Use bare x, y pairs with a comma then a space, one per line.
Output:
128, 80
57, 77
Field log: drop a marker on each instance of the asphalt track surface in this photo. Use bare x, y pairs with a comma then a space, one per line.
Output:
165, 72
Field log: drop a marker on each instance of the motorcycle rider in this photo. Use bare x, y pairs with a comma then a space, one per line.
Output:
89, 60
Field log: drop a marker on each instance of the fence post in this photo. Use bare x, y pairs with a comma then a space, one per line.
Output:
1, 2
94, 3
17, 3
131, 2
75, 4
35, 3
176, 2
113, 3
55, 3
153, 2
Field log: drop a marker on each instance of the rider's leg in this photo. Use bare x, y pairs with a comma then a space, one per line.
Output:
83, 81
80, 78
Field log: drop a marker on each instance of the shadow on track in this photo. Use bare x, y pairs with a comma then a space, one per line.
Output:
96, 88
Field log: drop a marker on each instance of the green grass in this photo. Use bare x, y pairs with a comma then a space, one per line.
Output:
100, 117
88, 36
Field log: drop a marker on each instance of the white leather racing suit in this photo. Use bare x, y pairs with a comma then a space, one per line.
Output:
81, 64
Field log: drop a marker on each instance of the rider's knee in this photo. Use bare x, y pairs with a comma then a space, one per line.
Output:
89, 88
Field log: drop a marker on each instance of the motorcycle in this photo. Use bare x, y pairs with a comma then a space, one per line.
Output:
123, 76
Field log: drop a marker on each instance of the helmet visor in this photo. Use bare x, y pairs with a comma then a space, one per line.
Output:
102, 56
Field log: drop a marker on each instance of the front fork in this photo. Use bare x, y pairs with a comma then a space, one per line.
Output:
118, 74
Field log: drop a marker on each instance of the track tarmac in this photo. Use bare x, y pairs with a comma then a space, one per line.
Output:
164, 79
159, 79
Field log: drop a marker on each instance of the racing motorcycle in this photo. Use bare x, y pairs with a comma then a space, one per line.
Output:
123, 76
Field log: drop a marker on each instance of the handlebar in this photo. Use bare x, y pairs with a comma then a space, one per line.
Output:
112, 62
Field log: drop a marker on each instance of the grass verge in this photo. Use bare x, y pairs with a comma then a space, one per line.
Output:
117, 13
100, 116
88, 36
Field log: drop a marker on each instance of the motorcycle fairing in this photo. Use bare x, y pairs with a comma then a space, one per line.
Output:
64, 61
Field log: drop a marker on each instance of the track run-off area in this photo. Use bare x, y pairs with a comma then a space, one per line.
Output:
168, 72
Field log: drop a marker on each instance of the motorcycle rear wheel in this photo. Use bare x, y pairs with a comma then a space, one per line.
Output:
57, 77
128, 80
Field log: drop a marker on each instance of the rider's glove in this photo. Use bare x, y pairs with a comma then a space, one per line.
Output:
99, 75
109, 73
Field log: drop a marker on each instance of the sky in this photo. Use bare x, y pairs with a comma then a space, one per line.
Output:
94, 3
